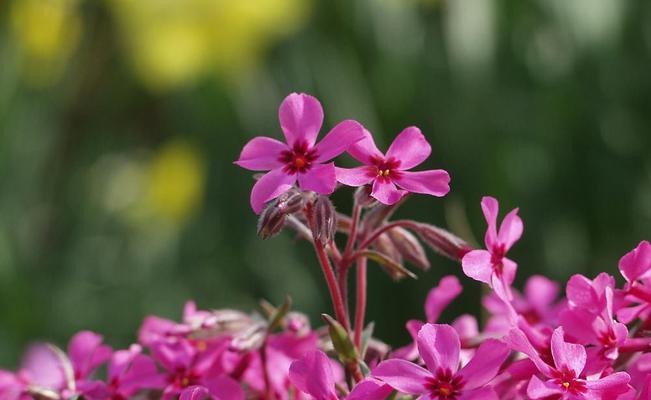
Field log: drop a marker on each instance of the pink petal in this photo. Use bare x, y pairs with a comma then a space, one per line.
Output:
519, 342
485, 393
355, 176
321, 178
270, 186
225, 388
44, 367
580, 294
509, 268
195, 393
312, 374
121, 360
370, 389
301, 117
402, 375
142, 374
338, 140
410, 148
386, 192
261, 154
477, 265
439, 347
87, 352
433, 182
466, 326
490, 208
636, 264
578, 325
541, 292
616, 383
439, 297
567, 355
365, 150
538, 389
485, 364
510, 229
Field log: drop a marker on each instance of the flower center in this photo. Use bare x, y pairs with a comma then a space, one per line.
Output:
444, 385
497, 255
386, 170
566, 379
299, 159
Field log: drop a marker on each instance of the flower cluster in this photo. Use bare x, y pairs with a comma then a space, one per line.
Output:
592, 343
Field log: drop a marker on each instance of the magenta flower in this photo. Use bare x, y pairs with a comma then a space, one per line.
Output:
635, 267
409, 149
488, 265
313, 375
564, 380
221, 388
301, 158
439, 348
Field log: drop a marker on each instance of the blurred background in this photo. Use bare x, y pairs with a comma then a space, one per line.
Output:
120, 119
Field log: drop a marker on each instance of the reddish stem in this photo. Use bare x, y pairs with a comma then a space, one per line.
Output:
333, 287
360, 302
352, 236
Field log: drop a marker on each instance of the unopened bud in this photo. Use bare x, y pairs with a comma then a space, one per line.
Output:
385, 245
324, 220
272, 219
409, 246
297, 323
341, 340
363, 196
443, 242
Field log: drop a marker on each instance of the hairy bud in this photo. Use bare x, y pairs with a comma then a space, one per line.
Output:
324, 220
409, 246
363, 196
385, 245
272, 219
443, 242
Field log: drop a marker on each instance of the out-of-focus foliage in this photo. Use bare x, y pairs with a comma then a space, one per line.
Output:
120, 119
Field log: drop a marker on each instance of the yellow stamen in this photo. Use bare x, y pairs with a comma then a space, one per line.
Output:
185, 382
202, 345
444, 391
566, 385
383, 172
299, 163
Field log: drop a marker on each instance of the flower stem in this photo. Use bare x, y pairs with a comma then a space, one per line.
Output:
333, 287
360, 302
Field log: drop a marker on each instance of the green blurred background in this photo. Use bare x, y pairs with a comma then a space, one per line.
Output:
120, 119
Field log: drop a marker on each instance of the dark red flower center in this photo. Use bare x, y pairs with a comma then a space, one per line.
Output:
566, 379
497, 258
385, 170
299, 159
444, 385
183, 378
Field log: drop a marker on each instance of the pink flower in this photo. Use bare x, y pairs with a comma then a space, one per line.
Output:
409, 149
439, 347
564, 378
635, 267
221, 388
492, 264
312, 374
301, 158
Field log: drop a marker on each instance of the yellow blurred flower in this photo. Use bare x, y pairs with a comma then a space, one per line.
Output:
172, 42
47, 32
175, 182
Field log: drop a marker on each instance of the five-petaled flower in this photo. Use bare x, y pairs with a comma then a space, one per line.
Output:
439, 347
409, 149
301, 158
492, 264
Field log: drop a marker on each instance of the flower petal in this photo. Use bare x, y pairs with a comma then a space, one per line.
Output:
261, 154
195, 393
87, 352
402, 375
439, 347
365, 150
439, 297
510, 229
540, 292
270, 186
225, 388
509, 268
538, 389
490, 207
636, 264
339, 139
433, 182
568, 355
477, 265
410, 148
321, 178
312, 374
370, 389
485, 393
355, 176
519, 342
485, 364
386, 192
301, 117
615, 382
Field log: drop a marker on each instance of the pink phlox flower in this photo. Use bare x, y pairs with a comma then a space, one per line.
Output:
537, 305
438, 298
439, 348
370, 389
492, 264
635, 267
589, 319
390, 171
640, 371
312, 374
564, 377
301, 158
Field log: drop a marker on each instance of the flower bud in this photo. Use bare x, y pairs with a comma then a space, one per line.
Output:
363, 196
324, 220
409, 247
297, 323
383, 244
443, 242
272, 219
291, 201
